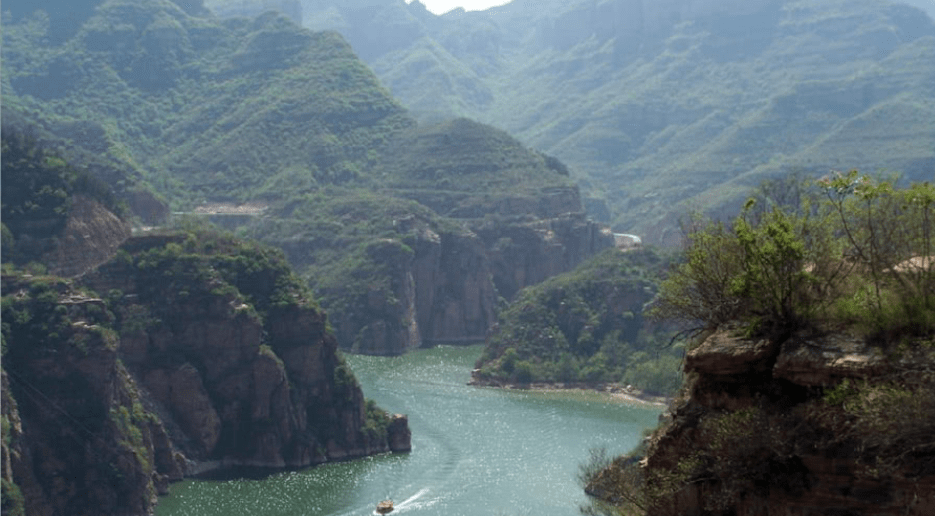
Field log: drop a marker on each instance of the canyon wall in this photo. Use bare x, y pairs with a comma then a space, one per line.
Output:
187, 362
446, 284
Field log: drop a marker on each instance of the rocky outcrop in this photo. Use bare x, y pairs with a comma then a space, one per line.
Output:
80, 441
526, 253
445, 284
91, 237
454, 297
239, 388
195, 362
809, 424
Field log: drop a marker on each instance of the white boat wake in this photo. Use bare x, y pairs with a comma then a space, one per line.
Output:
411, 500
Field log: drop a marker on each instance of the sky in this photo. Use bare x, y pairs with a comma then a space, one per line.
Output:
443, 6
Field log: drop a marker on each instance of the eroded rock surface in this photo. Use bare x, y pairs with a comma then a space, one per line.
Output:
196, 362
762, 431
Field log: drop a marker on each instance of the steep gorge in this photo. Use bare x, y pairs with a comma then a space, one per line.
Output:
193, 361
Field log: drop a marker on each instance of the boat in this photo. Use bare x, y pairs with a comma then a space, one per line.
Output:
385, 507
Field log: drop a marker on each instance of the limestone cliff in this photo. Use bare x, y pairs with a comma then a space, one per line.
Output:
446, 284
527, 253
395, 275
809, 424
77, 439
203, 353
91, 237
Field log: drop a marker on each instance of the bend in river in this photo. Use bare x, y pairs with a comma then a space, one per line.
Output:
475, 450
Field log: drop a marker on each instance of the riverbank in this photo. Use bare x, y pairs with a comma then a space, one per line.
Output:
625, 393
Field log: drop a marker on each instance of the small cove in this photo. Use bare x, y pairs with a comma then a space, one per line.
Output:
475, 450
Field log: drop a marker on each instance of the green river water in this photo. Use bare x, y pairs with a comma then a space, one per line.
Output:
476, 451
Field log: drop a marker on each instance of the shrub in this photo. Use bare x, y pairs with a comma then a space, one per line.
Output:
861, 256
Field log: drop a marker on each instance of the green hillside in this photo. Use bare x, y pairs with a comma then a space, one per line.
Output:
215, 114
198, 108
586, 327
465, 169
664, 107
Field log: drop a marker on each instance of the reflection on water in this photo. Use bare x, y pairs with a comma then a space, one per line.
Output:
475, 450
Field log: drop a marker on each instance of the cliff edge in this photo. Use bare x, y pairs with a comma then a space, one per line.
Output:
201, 352
810, 424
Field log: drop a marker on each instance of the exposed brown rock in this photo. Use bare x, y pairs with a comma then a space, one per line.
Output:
400, 436
91, 237
724, 353
444, 284
64, 465
181, 390
774, 389
825, 360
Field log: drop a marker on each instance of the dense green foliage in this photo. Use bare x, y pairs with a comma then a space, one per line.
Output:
37, 191
202, 262
460, 167
207, 111
586, 326
195, 107
35, 323
659, 107
850, 251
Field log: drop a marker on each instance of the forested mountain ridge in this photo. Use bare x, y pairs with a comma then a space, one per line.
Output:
661, 106
209, 112
164, 355
199, 109
464, 216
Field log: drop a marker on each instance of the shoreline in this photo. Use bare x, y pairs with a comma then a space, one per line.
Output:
614, 390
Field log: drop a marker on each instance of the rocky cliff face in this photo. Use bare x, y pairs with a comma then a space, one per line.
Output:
194, 361
91, 237
445, 287
524, 254
241, 388
77, 439
800, 426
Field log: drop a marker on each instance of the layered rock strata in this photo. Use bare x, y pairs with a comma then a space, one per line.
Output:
793, 427
188, 367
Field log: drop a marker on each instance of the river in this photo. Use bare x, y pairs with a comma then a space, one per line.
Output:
476, 451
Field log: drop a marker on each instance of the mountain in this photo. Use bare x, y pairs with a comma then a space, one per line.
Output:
205, 354
663, 107
198, 109
464, 216
285, 135
165, 355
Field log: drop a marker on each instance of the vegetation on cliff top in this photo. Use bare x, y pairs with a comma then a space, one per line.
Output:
85, 433
587, 327
37, 191
847, 251
845, 256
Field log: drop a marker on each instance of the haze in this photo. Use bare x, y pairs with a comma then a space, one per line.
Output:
443, 6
